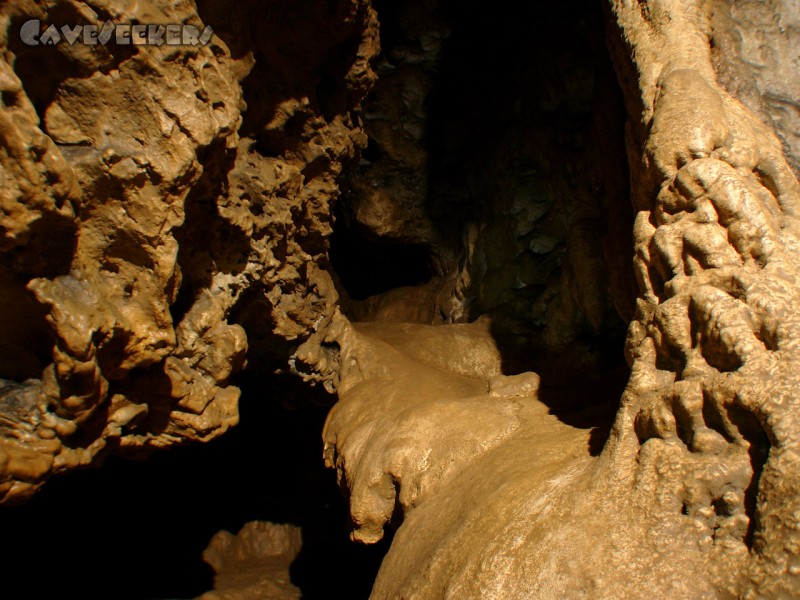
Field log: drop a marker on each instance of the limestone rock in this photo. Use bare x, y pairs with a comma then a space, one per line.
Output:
695, 491
153, 212
254, 563
407, 422
166, 221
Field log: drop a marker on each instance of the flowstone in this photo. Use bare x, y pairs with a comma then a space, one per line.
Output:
167, 217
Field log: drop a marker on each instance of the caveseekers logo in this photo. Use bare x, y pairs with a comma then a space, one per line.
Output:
32, 34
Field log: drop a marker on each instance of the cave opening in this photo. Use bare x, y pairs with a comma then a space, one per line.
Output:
495, 152
496, 143
368, 267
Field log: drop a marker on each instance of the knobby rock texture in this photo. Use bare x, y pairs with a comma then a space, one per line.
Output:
694, 493
569, 180
254, 564
147, 224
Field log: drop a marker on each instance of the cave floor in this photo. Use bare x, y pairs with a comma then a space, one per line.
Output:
430, 431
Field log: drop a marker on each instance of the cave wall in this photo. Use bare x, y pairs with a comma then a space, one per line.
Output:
754, 50
149, 226
500, 147
694, 492
167, 214
711, 347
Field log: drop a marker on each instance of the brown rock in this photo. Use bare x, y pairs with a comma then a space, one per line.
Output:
253, 564
165, 224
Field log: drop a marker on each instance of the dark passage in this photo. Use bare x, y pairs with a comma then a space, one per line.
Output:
136, 530
367, 268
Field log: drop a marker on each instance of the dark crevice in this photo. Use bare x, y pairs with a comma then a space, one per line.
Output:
26, 340
49, 249
758, 449
368, 267
713, 419
225, 247
271, 142
266, 351
683, 424
160, 514
372, 152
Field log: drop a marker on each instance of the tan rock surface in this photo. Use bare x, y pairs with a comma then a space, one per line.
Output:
165, 221
141, 209
694, 494
254, 563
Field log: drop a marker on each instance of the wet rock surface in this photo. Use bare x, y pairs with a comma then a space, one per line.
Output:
148, 224
474, 228
254, 563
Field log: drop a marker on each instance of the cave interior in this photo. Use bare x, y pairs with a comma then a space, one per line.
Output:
501, 131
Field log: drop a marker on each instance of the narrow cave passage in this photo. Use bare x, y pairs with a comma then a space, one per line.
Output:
368, 267
496, 143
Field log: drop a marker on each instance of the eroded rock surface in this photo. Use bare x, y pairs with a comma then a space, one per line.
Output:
166, 222
695, 492
254, 563
159, 201
754, 51
713, 365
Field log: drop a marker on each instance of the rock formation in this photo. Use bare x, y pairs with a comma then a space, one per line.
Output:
532, 191
141, 210
254, 563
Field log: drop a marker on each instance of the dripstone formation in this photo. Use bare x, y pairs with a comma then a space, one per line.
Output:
547, 260
141, 209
